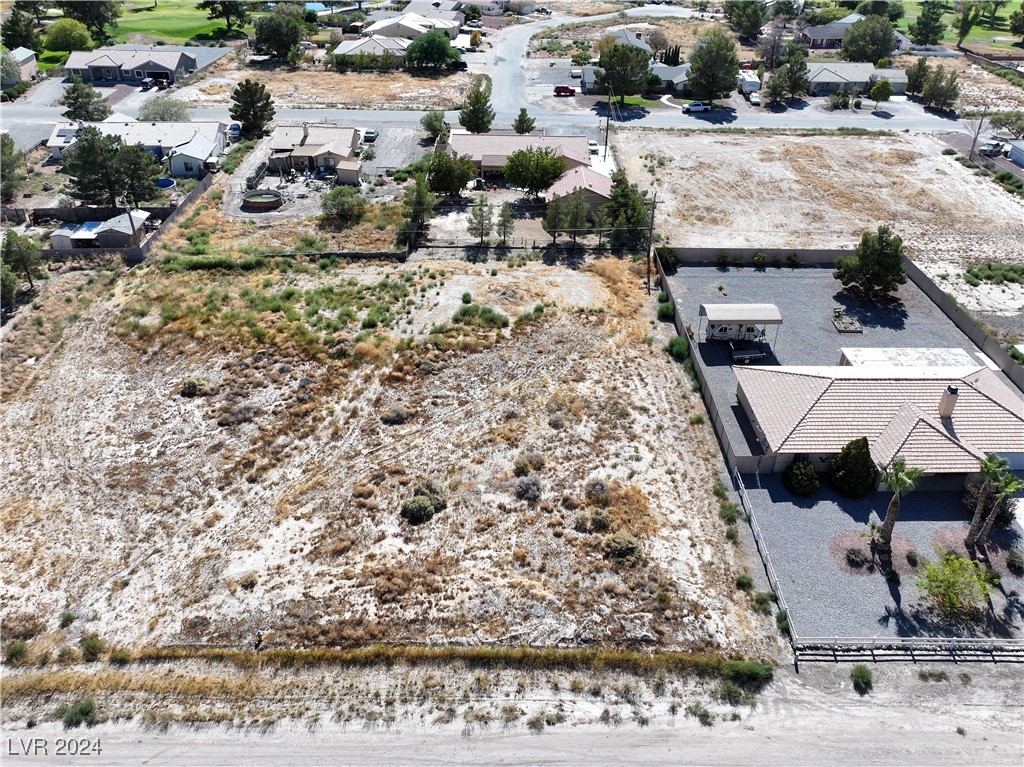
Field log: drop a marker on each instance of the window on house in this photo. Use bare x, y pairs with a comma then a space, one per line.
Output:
188, 166
139, 73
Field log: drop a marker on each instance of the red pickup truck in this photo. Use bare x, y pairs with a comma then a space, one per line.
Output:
564, 90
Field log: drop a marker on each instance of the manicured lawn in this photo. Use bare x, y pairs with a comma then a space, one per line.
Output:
982, 36
50, 60
173, 21
640, 101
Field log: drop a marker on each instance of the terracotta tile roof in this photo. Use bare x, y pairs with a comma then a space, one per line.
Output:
581, 177
923, 442
820, 409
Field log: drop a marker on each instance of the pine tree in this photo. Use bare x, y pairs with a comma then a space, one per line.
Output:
19, 31
797, 74
577, 213
83, 102
626, 211
851, 471
917, 75
506, 223
554, 219
476, 115
252, 106
929, 27
523, 123
481, 220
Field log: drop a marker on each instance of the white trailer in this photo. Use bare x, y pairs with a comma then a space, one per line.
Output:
747, 81
738, 322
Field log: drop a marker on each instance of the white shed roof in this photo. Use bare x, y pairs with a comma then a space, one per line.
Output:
761, 314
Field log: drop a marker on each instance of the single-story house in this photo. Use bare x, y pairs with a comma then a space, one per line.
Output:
411, 26
110, 65
1016, 151
436, 10
377, 45
941, 419
633, 39
827, 78
490, 151
598, 187
191, 147
830, 35
323, 147
27, 66
674, 79
124, 231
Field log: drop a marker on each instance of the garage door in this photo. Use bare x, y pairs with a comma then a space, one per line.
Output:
158, 75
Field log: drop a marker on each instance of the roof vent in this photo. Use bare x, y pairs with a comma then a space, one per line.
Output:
948, 401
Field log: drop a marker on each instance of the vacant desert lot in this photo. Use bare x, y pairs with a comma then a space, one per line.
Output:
271, 500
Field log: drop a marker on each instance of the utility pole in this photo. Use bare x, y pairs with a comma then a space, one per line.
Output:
608, 122
650, 240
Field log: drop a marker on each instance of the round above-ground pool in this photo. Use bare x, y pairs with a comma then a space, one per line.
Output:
261, 199
165, 184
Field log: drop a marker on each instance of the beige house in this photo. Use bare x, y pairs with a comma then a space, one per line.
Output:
942, 419
320, 147
377, 45
598, 187
490, 151
27, 66
411, 26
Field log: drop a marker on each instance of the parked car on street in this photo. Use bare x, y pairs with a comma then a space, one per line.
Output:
370, 135
992, 149
593, 146
564, 90
697, 106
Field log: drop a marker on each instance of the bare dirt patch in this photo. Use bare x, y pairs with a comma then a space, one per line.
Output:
316, 87
978, 87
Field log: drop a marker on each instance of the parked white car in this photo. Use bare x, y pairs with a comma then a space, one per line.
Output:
755, 99
697, 106
593, 146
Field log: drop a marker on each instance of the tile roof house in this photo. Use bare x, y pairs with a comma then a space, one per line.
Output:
942, 419
112, 65
598, 187
490, 151
324, 147
27, 67
377, 45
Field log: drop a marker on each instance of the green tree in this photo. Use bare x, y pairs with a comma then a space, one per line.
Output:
11, 177
232, 13
1009, 121
626, 212
929, 27
554, 219
917, 75
992, 8
577, 213
448, 173
957, 586
892, 11
481, 219
869, 39
433, 49
68, 35
881, 91
798, 75
34, 8
433, 123
277, 34
523, 123
418, 204
9, 69
9, 283
993, 473
21, 255
623, 71
476, 114
941, 89
673, 56
851, 471
19, 31
1009, 486
785, 9
749, 17
713, 65
534, 169
964, 20
658, 41
83, 102
104, 170
343, 206
900, 479
165, 109
251, 106
876, 266
139, 171
97, 15
1017, 22
775, 87
506, 223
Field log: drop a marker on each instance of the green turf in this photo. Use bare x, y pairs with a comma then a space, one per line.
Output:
50, 60
640, 101
173, 21
982, 36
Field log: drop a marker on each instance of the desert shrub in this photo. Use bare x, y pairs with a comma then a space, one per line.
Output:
120, 657
83, 712
763, 601
949, 150
701, 713
728, 512
193, 387
957, 586
861, 676
417, 510
1015, 562
801, 479
483, 316
912, 558
248, 581
531, 460
669, 258
92, 647
596, 490
696, 419
16, 652
67, 618
679, 348
793, 261
759, 260
744, 582
723, 259
892, 577
581, 522
21, 626
733, 694
67, 655
396, 414
857, 557
600, 520
467, 297
666, 311
782, 621
529, 489
732, 533
852, 472
930, 675
536, 722
622, 546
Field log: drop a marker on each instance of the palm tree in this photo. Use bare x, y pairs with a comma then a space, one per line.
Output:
1009, 486
901, 479
992, 470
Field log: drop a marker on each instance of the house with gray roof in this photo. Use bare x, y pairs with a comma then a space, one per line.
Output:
322, 147
490, 151
375, 45
130, 66
827, 78
632, 38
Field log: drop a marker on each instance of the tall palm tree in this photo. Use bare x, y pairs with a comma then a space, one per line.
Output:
992, 470
901, 479
1009, 486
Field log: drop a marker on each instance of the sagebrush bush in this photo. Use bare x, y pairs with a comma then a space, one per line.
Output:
861, 676
763, 601
16, 652
678, 348
92, 647
857, 557
83, 712
120, 657
600, 520
67, 618
622, 546
529, 489
596, 490
417, 510
801, 479
744, 582
666, 311
396, 415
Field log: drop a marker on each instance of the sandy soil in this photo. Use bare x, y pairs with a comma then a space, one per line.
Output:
311, 86
978, 87
681, 32
164, 519
459, 717
817, 191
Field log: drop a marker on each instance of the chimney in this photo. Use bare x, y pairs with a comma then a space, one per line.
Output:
305, 130
948, 401
638, 36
